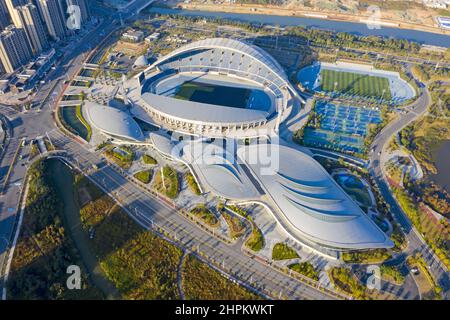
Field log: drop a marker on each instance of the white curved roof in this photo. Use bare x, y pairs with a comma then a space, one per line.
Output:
311, 202
113, 121
218, 170
202, 113
234, 45
141, 61
253, 52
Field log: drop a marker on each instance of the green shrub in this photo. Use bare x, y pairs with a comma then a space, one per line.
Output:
255, 241
170, 187
204, 214
147, 159
144, 176
390, 272
192, 183
369, 256
281, 251
306, 269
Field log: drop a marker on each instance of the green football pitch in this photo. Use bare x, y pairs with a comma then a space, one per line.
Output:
213, 94
355, 83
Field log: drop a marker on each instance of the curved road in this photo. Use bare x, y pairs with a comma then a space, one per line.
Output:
415, 241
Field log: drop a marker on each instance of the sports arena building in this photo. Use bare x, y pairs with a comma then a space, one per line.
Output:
227, 88
198, 89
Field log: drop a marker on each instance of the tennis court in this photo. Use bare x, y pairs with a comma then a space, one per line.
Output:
342, 127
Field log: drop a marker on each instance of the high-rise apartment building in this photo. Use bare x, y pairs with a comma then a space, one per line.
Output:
31, 22
53, 14
4, 15
12, 5
14, 48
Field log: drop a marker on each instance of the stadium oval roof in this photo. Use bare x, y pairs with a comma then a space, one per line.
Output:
311, 203
113, 121
234, 45
202, 113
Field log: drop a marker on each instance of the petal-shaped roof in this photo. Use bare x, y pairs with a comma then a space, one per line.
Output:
310, 202
113, 121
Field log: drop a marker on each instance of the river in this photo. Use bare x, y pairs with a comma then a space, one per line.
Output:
341, 26
441, 156
62, 179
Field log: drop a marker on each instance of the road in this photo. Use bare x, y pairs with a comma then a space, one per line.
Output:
415, 240
148, 211
36, 122
143, 207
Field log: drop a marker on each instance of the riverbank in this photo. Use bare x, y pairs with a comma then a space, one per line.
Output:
441, 154
333, 16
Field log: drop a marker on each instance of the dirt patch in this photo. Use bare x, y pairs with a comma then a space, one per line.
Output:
130, 49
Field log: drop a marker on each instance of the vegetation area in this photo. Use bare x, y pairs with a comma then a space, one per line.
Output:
281, 251
435, 234
418, 261
200, 282
240, 211
344, 280
255, 241
204, 214
167, 182
122, 156
139, 264
306, 269
147, 159
422, 138
144, 176
73, 121
192, 183
44, 250
427, 73
392, 274
369, 256
235, 225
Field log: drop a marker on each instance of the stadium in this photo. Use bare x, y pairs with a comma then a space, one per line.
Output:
214, 87
229, 89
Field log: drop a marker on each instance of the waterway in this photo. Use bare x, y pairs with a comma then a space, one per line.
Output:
340, 26
441, 156
62, 178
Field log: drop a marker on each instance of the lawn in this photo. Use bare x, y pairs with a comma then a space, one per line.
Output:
355, 83
344, 280
213, 94
138, 263
368, 256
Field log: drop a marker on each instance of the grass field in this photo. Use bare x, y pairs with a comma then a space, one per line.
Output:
355, 83
214, 94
